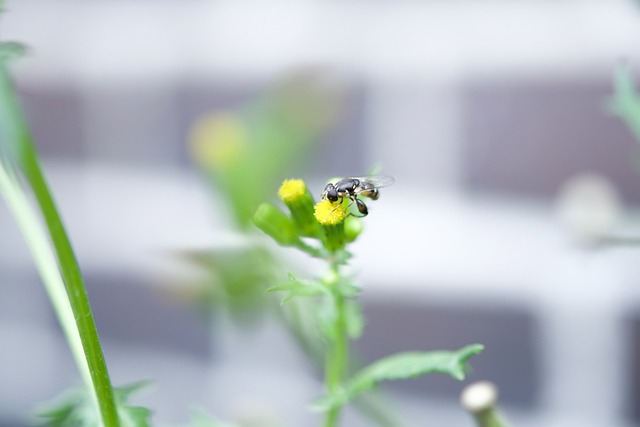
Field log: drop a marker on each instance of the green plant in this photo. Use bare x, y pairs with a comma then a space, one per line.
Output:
321, 230
21, 180
324, 230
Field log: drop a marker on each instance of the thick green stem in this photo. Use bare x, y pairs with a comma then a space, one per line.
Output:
338, 357
16, 148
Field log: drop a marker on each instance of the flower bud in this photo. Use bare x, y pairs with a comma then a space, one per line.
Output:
276, 224
352, 228
294, 194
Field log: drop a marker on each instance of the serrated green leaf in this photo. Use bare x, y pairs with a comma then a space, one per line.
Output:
299, 288
402, 366
76, 408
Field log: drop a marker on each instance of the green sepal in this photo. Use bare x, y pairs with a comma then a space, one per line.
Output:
276, 224
333, 236
398, 367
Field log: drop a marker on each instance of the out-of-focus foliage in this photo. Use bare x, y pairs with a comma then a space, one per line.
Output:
244, 154
236, 278
11, 49
626, 102
248, 152
201, 418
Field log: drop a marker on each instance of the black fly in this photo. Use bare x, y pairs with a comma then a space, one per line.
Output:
352, 187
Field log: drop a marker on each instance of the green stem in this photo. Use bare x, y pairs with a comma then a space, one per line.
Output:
310, 250
480, 399
17, 147
337, 360
489, 418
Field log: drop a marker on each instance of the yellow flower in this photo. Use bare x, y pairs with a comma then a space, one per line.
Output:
292, 190
218, 140
294, 194
328, 213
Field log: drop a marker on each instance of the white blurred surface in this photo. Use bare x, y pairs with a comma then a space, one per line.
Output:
149, 40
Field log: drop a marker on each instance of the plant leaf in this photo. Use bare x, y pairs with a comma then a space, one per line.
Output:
348, 290
402, 366
299, 288
76, 408
626, 102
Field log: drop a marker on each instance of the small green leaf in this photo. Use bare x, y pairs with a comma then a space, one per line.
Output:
76, 408
348, 290
402, 366
298, 288
342, 256
626, 102
354, 319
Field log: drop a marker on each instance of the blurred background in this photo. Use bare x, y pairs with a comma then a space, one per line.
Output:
162, 123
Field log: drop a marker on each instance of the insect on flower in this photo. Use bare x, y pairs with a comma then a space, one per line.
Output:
352, 187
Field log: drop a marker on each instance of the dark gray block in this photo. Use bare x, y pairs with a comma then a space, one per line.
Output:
128, 311
529, 137
55, 117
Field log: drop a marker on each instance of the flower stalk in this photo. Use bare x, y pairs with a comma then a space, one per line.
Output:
331, 225
337, 316
480, 399
338, 355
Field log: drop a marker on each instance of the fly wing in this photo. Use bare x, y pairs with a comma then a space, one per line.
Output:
375, 181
